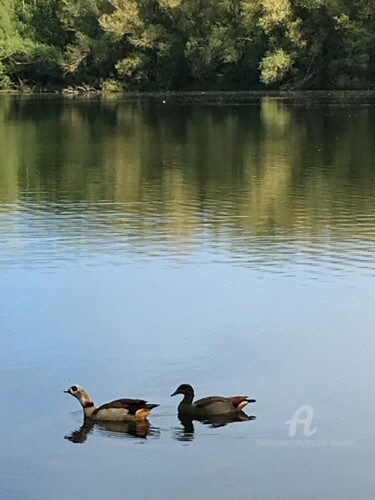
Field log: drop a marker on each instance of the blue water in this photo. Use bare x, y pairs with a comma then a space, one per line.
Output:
131, 294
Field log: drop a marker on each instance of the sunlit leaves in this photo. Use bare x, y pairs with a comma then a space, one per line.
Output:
124, 18
275, 65
170, 3
275, 12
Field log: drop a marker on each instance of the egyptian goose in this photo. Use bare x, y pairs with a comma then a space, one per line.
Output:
211, 405
118, 410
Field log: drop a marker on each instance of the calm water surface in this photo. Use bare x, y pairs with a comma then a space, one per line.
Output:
228, 244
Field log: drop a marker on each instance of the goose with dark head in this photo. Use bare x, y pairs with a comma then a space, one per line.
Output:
211, 405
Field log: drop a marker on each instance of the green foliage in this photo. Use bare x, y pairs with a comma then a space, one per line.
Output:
5, 81
133, 68
111, 85
10, 38
274, 66
179, 44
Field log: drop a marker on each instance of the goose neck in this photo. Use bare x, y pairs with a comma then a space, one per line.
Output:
188, 397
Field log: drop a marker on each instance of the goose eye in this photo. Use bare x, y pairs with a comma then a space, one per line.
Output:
74, 388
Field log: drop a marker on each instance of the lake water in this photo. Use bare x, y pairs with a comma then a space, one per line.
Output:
229, 244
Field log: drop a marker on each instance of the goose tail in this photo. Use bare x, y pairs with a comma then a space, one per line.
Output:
151, 406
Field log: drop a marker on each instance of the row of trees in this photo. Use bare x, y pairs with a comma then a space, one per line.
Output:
187, 44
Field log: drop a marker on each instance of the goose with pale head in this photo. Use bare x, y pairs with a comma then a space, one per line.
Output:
209, 406
117, 410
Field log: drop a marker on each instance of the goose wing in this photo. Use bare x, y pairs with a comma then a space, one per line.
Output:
209, 400
238, 402
131, 405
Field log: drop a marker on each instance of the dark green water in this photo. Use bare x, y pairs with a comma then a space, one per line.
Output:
229, 244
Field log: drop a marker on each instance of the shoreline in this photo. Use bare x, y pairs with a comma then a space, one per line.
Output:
215, 95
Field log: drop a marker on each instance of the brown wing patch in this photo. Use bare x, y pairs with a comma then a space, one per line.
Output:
132, 405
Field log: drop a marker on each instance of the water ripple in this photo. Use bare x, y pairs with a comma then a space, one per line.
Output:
53, 234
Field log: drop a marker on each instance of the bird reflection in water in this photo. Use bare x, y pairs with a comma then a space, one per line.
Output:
139, 429
186, 433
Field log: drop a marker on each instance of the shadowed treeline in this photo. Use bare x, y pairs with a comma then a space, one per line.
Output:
113, 45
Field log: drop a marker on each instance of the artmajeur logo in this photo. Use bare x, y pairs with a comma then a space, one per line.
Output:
301, 428
304, 417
